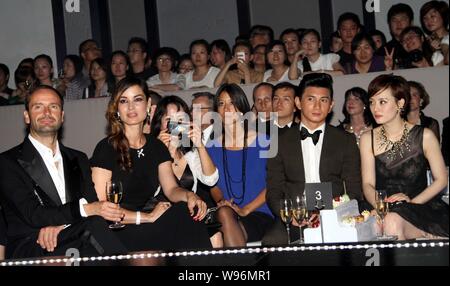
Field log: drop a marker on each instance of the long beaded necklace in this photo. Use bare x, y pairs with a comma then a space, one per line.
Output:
395, 148
237, 199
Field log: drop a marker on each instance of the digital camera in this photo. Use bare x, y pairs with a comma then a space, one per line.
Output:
178, 128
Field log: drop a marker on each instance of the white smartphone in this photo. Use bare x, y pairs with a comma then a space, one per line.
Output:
240, 56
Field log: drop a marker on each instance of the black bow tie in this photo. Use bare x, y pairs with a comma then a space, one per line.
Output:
315, 136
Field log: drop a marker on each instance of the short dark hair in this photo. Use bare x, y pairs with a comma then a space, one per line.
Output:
262, 84
373, 33
440, 6
316, 80
22, 73
400, 8
156, 97
81, 46
45, 57
422, 93
398, 86
140, 41
222, 45
361, 37
243, 44
285, 85
289, 31
77, 62
201, 42
168, 52
42, 87
310, 31
261, 30
348, 16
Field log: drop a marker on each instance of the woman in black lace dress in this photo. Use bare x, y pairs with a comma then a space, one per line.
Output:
394, 157
142, 163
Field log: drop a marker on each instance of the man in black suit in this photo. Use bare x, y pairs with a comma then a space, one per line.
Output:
315, 152
283, 102
47, 193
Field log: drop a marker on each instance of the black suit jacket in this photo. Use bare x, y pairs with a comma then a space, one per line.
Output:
339, 161
29, 197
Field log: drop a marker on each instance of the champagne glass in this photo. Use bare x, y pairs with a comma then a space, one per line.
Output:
286, 215
382, 208
299, 214
114, 193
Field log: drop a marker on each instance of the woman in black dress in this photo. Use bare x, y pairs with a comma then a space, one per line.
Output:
142, 163
395, 156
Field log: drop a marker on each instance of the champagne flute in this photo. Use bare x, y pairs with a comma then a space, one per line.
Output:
114, 193
299, 214
382, 209
286, 215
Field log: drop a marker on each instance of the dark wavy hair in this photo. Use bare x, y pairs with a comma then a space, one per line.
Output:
398, 86
116, 130
441, 7
161, 111
362, 95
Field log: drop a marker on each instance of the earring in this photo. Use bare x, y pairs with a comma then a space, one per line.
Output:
364, 108
118, 116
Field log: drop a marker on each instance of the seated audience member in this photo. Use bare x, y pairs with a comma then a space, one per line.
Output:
243, 73
262, 105
100, 85
27, 62
203, 102
277, 58
240, 191
313, 60
378, 38
138, 53
166, 79
419, 100
88, 51
291, 41
43, 70
419, 51
445, 139
335, 42
395, 157
312, 153
25, 82
260, 35
259, 61
349, 26
72, 84
142, 162
154, 99
220, 53
185, 64
46, 190
119, 66
400, 16
283, 102
365, 59
191, 165
4, 79
434, 21
358, 118
203, 74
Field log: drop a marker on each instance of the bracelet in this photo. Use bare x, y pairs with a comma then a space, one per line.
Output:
138, 218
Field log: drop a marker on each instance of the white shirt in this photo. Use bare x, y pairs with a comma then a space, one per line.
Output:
175, 78
207, 81
275, 122
268, 73
55, 167
323, 63
311, 155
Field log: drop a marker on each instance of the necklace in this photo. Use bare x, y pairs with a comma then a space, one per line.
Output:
396, 148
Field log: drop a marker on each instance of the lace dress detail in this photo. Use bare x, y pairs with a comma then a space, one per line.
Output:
408, 174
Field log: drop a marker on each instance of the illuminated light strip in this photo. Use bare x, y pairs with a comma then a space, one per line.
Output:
224, 251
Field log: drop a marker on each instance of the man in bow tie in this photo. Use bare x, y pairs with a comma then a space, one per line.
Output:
313, 153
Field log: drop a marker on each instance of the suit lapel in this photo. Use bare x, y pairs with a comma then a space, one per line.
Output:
327, 147
72, 175
33, 164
